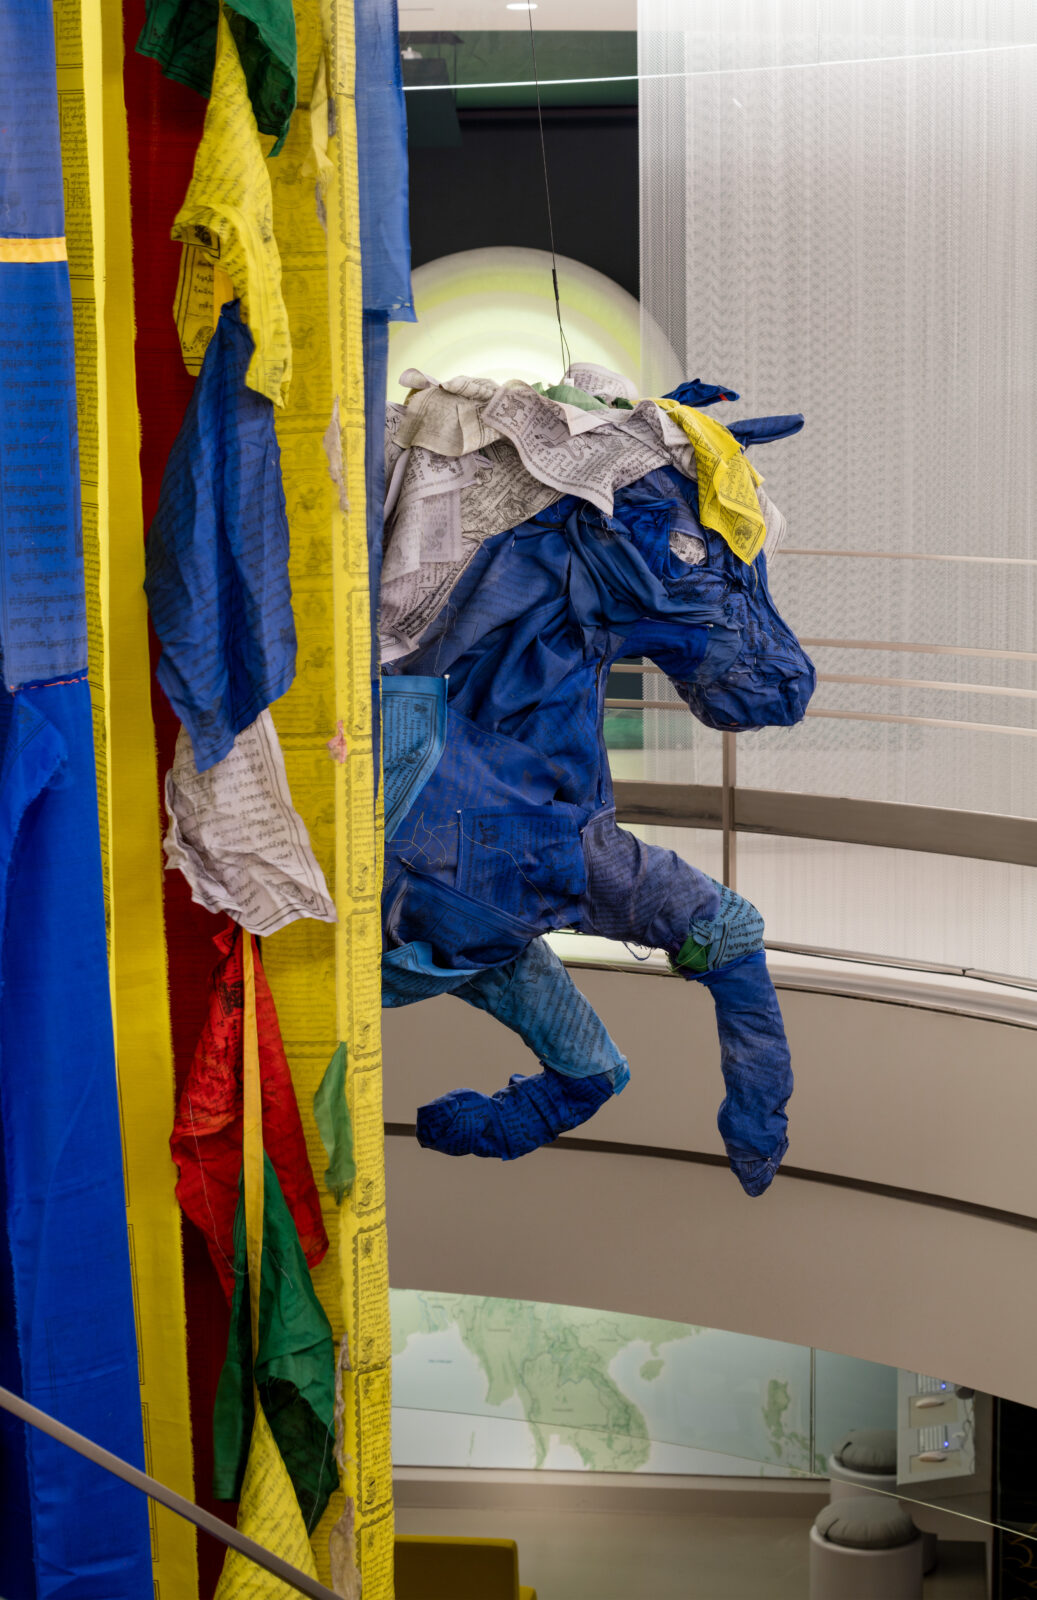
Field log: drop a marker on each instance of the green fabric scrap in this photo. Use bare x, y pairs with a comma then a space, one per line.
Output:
181, 36
331, 1109
295, 1372
567, 395
692, 954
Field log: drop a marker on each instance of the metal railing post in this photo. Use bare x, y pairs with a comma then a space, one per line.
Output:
728, 779
165, 1497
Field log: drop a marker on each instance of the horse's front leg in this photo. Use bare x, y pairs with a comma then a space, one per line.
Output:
650, 896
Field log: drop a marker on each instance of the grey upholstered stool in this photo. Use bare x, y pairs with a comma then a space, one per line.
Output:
866, 1459
865, 1548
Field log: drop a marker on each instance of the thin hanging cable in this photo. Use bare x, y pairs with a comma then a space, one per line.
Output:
723, 72
567, 359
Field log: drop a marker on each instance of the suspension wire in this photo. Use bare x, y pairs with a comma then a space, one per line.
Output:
566, 356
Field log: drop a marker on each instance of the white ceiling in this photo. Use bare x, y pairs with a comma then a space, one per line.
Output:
460, 16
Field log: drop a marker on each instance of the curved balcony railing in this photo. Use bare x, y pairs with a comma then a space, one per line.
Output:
734, 809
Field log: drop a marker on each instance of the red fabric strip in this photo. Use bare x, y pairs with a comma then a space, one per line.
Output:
165, 126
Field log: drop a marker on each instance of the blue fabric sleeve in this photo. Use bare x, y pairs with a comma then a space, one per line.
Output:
650, 896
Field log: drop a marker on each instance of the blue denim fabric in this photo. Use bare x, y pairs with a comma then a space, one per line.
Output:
735, 931
754, 1058
639, 892
536, 997
410, 974
529, 1113
514, 832
533, 995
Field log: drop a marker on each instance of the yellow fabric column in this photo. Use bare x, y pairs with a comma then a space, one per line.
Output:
95, 158
359, 861
326, 981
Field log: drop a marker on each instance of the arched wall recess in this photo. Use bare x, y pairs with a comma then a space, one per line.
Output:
490, 313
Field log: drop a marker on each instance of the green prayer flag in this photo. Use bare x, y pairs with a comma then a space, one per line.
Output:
331, 1109
181, 36
295, 1371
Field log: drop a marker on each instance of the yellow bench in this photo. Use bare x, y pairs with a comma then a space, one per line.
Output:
430, 1568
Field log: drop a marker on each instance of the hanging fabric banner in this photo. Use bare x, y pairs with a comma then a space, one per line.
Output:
165, 124
366, 1392
89, 41
270, 1511
381, 121
67, 1337
324, 724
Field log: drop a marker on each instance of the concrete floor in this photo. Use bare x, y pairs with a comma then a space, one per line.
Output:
588, 1555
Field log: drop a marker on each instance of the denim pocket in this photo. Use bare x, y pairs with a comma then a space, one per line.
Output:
462, 932
525, 861
409, 973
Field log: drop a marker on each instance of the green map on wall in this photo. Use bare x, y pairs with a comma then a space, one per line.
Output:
516, 1383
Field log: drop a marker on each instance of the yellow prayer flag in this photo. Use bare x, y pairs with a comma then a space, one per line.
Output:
228, 217
269, 1513
727, 481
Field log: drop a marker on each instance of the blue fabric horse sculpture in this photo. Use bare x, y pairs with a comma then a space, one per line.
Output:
500, 819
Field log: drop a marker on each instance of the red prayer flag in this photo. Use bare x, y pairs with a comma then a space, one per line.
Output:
206, 1139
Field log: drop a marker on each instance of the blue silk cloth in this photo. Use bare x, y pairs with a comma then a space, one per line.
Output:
67, 1333
217, 555
381, 131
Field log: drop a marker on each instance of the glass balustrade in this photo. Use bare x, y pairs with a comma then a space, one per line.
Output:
520, 1385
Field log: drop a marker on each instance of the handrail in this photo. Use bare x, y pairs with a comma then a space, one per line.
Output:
165, 1496
936, 830
921, 649
626, 668
926, 683
913, 555
882, 644
922, 722
613, 704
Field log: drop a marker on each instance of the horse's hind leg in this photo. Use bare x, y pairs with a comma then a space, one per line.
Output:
582, 1068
